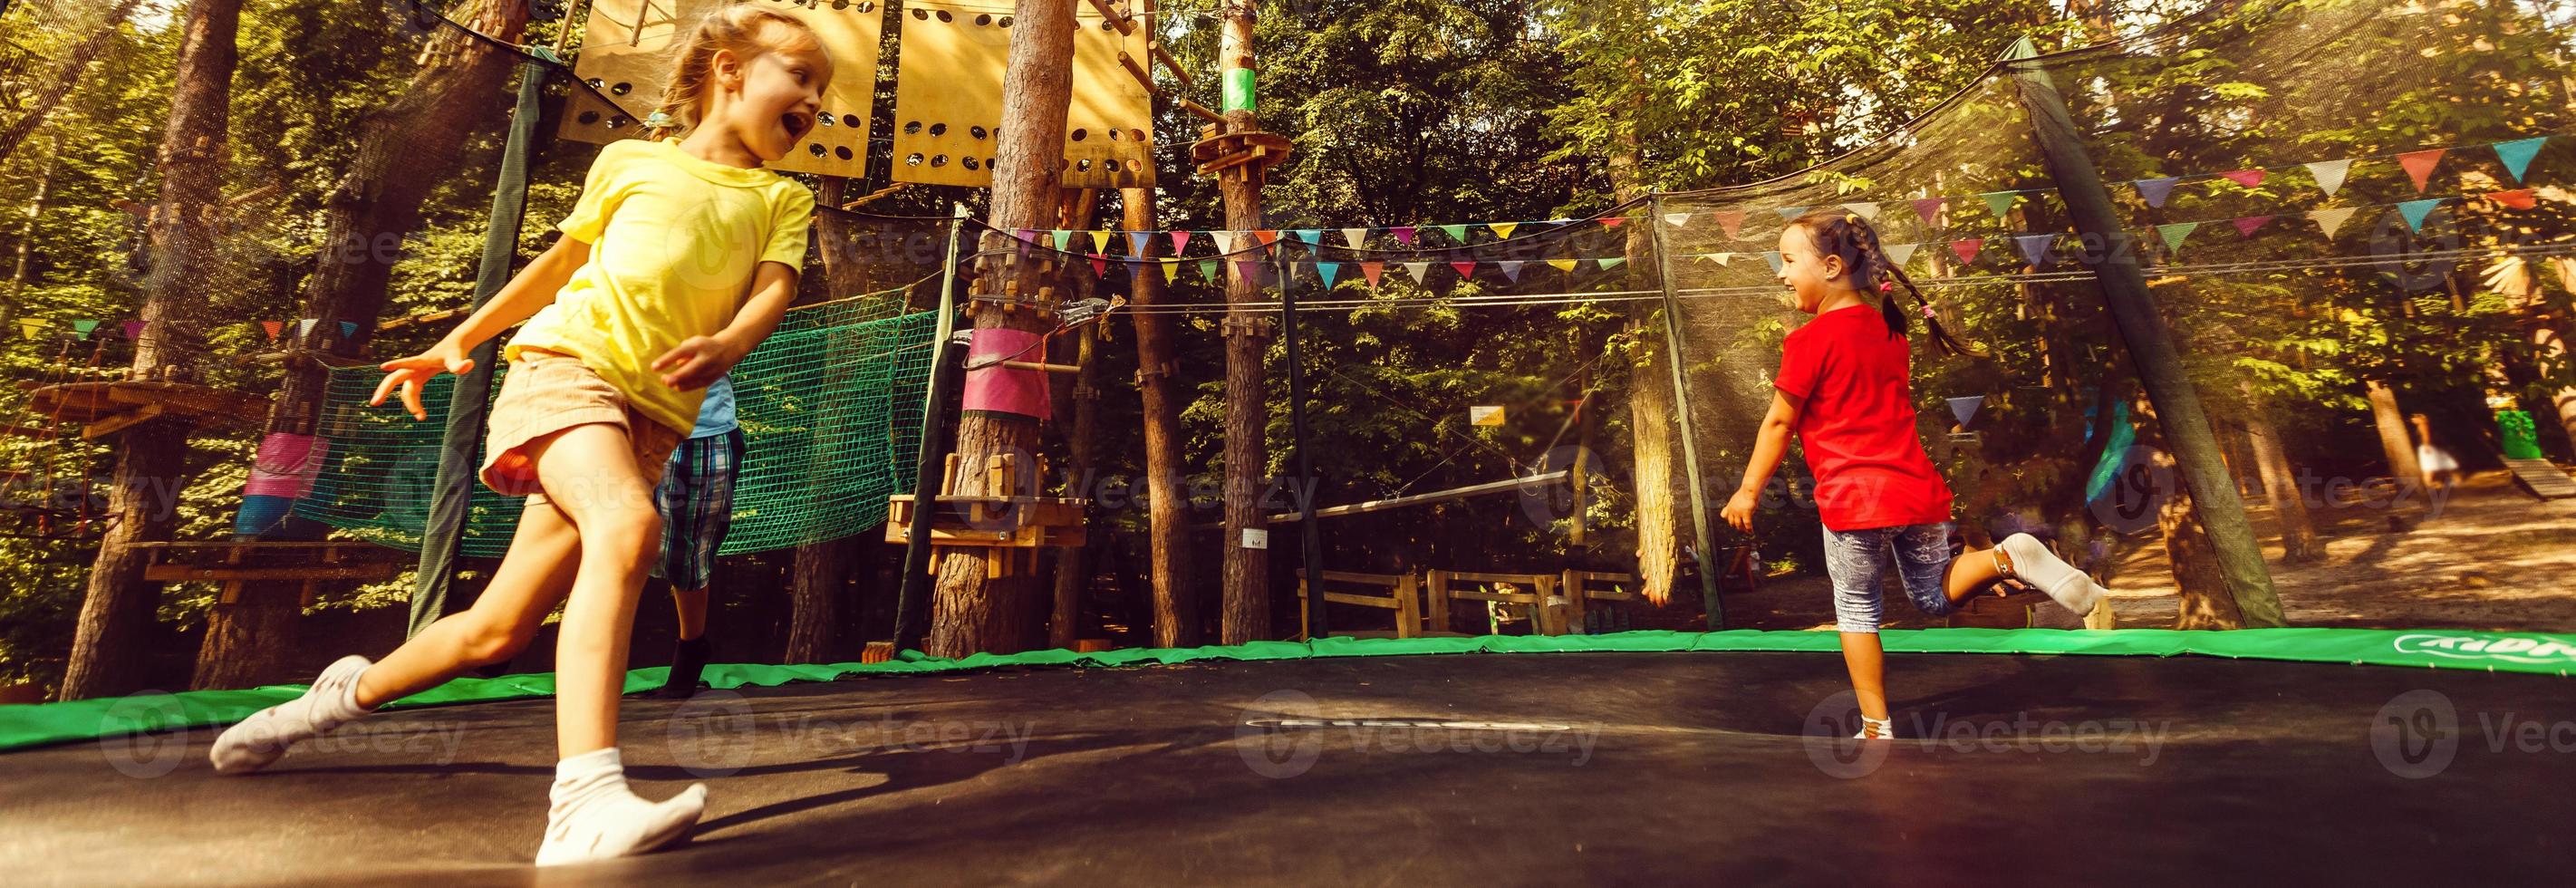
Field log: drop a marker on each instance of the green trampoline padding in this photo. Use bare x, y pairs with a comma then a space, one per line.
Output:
2523, 652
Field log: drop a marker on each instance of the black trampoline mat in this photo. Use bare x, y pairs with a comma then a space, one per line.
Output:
1519, 769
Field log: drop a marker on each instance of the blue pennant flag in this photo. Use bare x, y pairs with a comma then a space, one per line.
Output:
2416, 210
2518, 153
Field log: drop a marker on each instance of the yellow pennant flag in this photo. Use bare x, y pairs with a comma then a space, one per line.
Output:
1502, 229
1562, 264
1171, 267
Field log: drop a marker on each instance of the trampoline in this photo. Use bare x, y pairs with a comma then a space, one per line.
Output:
1495, 768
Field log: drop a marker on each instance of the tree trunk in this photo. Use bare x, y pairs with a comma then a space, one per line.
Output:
2393, 438
2280, 483
2205, 601
1176, 618
75, 65
253, 642
1073, 566
21, 267
1247, 342
1650, 398
970, 611
143, 489
814, 616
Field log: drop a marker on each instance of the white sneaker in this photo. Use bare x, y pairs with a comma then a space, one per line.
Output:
596, 817
1876, 729
2032, 563
332, 701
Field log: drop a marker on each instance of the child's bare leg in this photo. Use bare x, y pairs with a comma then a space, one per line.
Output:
1972, 572
1867, 663
692, 605
590, 472
534, 575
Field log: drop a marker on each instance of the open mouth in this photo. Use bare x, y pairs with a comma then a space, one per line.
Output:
796, 124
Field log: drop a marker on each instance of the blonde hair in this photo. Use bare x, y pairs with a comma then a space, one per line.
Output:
743, 29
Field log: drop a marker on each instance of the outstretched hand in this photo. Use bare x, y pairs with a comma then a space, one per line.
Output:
1739, 511
695, 363
409, 374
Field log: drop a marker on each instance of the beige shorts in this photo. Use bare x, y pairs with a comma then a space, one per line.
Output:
546, 393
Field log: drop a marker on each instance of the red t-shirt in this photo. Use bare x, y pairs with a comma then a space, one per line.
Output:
1858, 423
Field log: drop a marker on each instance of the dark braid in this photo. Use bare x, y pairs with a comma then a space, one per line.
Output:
1843, 234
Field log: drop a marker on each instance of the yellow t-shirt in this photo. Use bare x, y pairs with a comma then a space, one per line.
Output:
673, 243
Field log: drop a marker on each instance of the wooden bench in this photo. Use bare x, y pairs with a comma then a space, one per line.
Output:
1401, 593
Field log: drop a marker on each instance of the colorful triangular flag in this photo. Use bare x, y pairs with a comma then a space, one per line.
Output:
1269, 237
1353, 237
2330, 174
1967, 248
348, 329
1328, 271
2419, 165
1456, 233
1773, 257
1998, 202
2519, 198
304, 329
82, 326
1612, 221
1207, 270
35, 327
1403, 234
1677, 220
1171, 269
1867, 211
1247, 270
1465, 269
1371, 270
1611, 262
2518, 153
2174, 232
2416, 210
1731, 222
1310, 235
1965, 408
1899, 253
1787, 213
1224, 240
1136, 242
2247, 225
2034, 247
1930, 208
1421, 271
2245, 177
2156, 190
1063, 239
134, 329
1180, 242
1503, 229
273, 328
1099, 265
1511, 269
1564, 265
2331, 219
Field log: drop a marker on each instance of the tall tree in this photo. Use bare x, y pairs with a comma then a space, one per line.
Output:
116, 616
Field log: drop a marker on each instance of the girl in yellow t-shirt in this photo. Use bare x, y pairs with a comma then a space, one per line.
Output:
680, 255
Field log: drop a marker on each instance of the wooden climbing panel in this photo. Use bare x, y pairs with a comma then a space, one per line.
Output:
105, 408
948, 96
626, 52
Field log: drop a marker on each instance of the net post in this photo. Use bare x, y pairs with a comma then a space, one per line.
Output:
1310, 545
452, 491
1682, 421
912, 598
2150, 344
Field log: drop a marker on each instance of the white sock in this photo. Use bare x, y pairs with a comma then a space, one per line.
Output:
332, 701
596, 817
2032, 563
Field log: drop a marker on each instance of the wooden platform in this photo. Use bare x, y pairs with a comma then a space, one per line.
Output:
2542, 478
105, 408
234, 563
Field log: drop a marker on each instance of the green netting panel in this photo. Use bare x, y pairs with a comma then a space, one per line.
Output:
830, 406
2327, 196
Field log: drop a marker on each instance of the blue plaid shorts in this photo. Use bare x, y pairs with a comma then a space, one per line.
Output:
1856, 560
696, 502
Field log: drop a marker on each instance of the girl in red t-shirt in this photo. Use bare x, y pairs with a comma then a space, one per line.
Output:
1844, 389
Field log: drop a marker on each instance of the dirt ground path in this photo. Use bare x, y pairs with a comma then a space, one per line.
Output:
2489, 557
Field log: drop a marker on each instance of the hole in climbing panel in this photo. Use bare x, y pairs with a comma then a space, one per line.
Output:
911, 126
977, 132
842, 152
939, 160
939, 129
1079, 134
914, 160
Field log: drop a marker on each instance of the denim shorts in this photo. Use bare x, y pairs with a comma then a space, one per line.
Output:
1856, 561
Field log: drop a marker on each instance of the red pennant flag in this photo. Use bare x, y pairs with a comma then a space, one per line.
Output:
2247, 178
272, 327
1403, 234
1930, 207
1370, 270
1267, 236
1465, 269
134, 329
2246, 225
1180, 242
1612, 221
2419, 164
1730, 221
1967, 249
1099, 266
2519, 198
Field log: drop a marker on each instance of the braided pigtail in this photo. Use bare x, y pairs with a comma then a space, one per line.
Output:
1885, 276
